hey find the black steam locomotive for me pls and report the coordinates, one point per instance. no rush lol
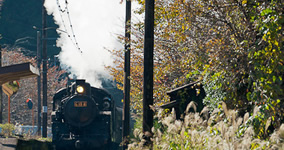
(85, 117)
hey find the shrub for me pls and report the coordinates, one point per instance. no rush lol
(7, 129)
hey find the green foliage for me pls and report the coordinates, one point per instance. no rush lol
(249, 69)
(266, 58)
(7, 129)
(214, 93)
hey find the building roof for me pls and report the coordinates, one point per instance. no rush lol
(17, 72)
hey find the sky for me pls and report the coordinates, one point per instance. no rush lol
(95, 24)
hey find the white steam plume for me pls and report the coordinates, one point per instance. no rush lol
(95, 24)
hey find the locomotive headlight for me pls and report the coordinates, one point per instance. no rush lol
(80, 89)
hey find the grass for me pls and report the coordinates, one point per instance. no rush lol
(223, 130)
(11, 130)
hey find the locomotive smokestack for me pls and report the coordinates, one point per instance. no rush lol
(80, 81)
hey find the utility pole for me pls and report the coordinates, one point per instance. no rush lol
(126, 92)
(38, 86)
(1, 98)
(44, 72)
(148, 71)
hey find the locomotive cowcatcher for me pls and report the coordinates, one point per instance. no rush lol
(85, 117)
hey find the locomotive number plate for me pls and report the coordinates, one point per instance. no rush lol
(80, 104)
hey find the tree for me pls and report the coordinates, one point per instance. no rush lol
(234, 47)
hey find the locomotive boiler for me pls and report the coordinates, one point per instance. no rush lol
(85, 117)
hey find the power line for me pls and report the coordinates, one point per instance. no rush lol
(60, 9)
(72, 26)
(63, 22)
(73, 37)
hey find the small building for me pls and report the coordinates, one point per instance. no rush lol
(182, 96)
(12, 73)
(17, 72)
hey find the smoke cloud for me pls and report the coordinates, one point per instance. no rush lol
(95, 24)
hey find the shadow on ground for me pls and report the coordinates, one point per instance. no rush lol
(22, 144)
(33, 145)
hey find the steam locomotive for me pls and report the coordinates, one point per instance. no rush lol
(85, 117)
